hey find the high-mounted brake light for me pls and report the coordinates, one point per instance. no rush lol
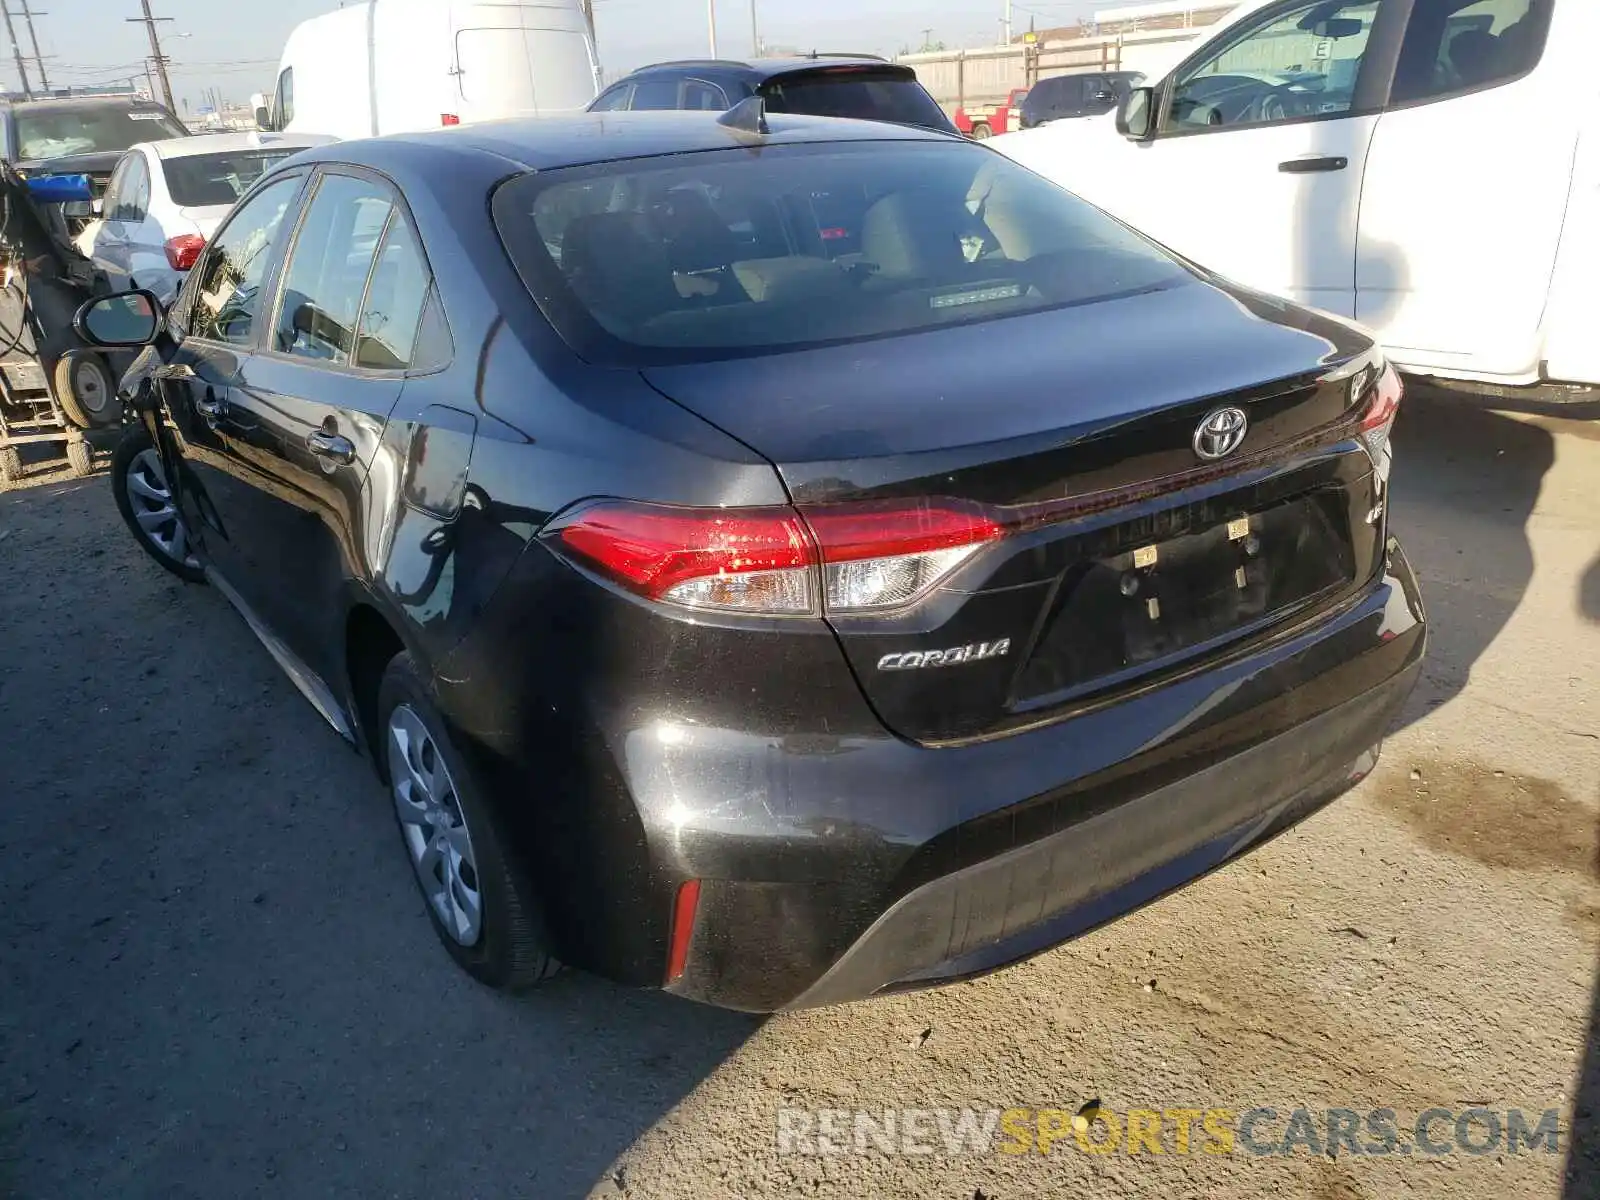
(183, 251)
(1383, 404)
(842, 558)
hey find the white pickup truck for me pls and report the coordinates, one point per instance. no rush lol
(1430, 168)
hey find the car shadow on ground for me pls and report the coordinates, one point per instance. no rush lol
(1466, 480)
(219, 978)
(1583, 1154)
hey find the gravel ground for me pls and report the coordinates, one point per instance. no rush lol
(216, 978)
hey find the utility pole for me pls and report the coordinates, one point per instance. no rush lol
(755, 33)
(33, 36)
(1008, 22)
(159, 59)
(16, 52)
(711, 20)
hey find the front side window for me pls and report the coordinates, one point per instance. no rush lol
(326, 278)
(1456, 46)
(725, 254)
(614, 100)
(227, 295)
(1299, 65)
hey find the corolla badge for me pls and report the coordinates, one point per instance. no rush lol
(1221, 433)
(915, 660)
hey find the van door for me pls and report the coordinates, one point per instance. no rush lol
(1467, 184)
(1262, 137)
(522, 60)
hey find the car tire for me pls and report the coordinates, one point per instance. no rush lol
(479, 897)
(86, 389)
(145, 501)
(981, 131)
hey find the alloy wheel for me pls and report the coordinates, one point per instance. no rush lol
(155, 510)
(434, 826)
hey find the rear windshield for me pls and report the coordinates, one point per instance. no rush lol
(88, 129)
(866, 95)
(212, 180)
(752, 251)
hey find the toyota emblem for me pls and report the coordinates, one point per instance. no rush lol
(1221, 433)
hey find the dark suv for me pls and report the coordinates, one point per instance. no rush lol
(84, 135)
(1083, 95)
(862, 86)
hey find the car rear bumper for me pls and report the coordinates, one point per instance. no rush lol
(836, 869)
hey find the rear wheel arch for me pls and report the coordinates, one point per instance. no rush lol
(371, 644)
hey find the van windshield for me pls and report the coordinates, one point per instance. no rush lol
(737, 252)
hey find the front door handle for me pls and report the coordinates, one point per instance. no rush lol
(331, 447)
(1312, 164)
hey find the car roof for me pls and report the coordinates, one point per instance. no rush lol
(68, 103)
(221, 143)
(574, 139)
(766, 68)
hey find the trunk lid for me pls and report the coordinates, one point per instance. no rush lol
(1128, 554)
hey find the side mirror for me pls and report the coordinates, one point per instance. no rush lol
(97, 207)
(263, 111)
(122, 321)
(1136, 119)
(80, 210)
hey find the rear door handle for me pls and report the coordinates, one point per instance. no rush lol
(331, 446)
(1312, 164)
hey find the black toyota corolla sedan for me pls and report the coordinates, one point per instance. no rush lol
(775, 617)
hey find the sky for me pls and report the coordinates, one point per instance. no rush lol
(233, 45)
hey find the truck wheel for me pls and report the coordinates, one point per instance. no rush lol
(80, 457)
(86, 389)
(981, 131)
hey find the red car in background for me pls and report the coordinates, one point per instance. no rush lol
(985, 120)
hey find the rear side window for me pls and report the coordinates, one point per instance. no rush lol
(216, 180)
(865, 95)
(727, 253)
(326, 279)
(1456, 46)
(655, 94)
(395, 299)
(133, 192)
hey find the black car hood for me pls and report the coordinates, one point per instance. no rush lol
(1080, 369)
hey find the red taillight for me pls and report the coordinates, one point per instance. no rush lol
(683, 910)
(183, 251)
(845, 557)
(449, 119)
(1383, 403)
(833, 233)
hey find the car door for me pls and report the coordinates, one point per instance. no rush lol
(1261, 142)
(317, 399)
(143, 244)
(1467, 185)
(216, 322)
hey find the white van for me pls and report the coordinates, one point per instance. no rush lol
(1430, 168)
(399, 66)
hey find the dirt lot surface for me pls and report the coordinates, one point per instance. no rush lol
(216, 979)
